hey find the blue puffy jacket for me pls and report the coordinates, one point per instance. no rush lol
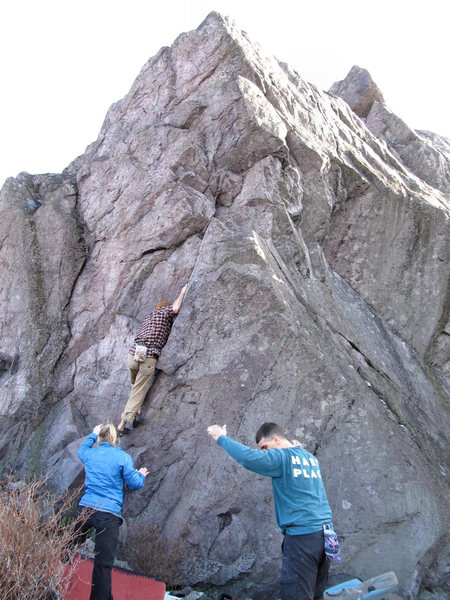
(107, 467)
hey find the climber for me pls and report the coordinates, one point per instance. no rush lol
(301, 507)
(107, 468)
(148, 343)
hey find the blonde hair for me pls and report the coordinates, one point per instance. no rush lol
(161, 304)
(108, 433)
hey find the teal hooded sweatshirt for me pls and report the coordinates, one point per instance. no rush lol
(301, 504)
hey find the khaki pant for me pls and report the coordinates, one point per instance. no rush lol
(141, 375)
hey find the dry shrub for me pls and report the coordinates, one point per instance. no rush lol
(36, 542)
(154, 555)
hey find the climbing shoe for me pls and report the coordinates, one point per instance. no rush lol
(137, 421)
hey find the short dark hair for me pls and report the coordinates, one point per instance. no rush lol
(267, 431)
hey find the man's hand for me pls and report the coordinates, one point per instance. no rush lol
(144, 471)
(215, 431)
(179, 301)
(96, 430)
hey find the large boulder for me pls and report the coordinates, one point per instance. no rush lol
(317, 273)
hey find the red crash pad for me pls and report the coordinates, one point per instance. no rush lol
(126, 585)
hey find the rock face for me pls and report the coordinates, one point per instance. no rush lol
(425, 154)
(358, 90)
(316, 262)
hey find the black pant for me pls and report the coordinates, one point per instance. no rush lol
(304, 567)
(106, 537)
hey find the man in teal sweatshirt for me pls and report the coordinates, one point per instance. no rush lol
(301, 505)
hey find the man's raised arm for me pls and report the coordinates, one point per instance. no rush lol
(179, 301)
(263, 462)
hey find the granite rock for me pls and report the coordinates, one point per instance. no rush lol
(316, 263)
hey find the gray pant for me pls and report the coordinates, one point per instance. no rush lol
(304, 567)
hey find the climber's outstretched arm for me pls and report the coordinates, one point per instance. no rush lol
(179, 301)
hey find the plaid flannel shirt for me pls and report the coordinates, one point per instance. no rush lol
(154, 330)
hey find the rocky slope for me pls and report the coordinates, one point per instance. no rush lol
(314, 244)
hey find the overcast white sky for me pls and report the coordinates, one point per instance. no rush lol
(64, 62)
